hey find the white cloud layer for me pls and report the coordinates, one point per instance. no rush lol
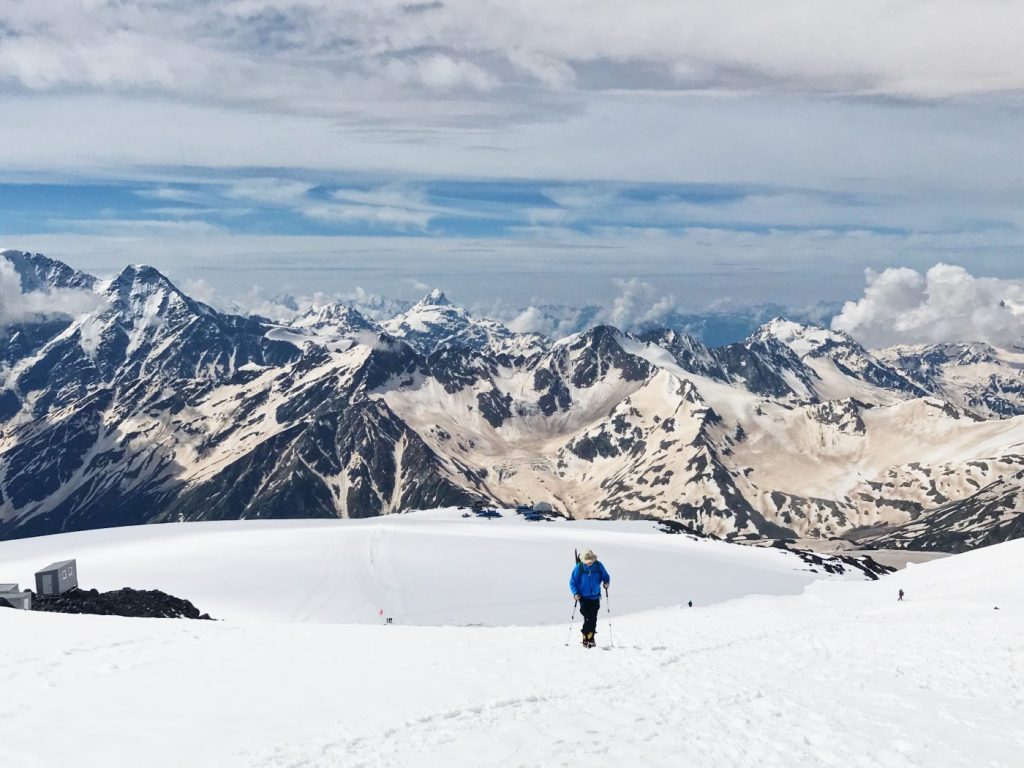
(17, 306)
(700, 267)
(944, 304)
(324, 55)
(636, 305)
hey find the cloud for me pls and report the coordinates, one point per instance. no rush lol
(283, 307)
(384, 206)
(137, 227)
(556, 321)
(270, 191)
(373, 215)
(201, 290)
(440, 72)
(912, 114)
(551, 72)
(944, 304)
(388, 206)
(696, 266)
(18, 306)
(171, 194)
(531, 320)
(312, 54)
(638, 305)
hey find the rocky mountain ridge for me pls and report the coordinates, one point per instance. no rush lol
(156, 407)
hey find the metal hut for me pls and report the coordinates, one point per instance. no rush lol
(56, 579)
(11, 596)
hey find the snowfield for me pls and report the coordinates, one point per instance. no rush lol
(425, 568)
(774, 666)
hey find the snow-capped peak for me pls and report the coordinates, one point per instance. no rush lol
(435, 322)
(336, 317)
(40, 273)
(802, 338)
(435, 298)
(139, 293)
(140, 277)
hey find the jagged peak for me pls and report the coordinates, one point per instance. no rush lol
(595, 335)
(141, 274)
(39, 272)
(947, 352)
(671, 337)
(335, 313)
(435, 298)
(784, 329)
(135, 286)
(603, 331)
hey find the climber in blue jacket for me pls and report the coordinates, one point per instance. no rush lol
(585, 584)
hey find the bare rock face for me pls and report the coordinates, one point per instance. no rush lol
(844, 415)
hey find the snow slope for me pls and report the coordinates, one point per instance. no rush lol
(841, 675)
(432, 567)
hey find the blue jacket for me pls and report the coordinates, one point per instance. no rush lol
(586, 580)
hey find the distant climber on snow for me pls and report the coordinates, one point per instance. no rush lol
(588, 576)
(900, 598)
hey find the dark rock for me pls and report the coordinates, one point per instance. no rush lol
(138, 603)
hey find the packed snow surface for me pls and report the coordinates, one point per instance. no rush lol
(432, 567)
(809, 672)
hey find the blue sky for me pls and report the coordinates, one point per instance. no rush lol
(247, 201)
(519, 152)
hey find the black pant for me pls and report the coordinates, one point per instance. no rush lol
(589, 607)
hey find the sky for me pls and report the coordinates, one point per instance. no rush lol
(525, 152)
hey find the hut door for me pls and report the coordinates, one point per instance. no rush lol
(47, 583)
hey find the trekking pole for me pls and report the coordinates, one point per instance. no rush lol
(572, 620)
(608, 603)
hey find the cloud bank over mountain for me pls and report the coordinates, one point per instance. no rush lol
(946, 303)
(18, 305)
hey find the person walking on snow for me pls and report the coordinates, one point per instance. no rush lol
(585, 584)
(900, 598)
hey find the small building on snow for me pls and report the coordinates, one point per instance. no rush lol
(11, 596)
(57, 578)
(543, 507)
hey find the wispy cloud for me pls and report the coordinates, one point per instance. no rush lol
(383, 206)
(137, 227)
(270, 191)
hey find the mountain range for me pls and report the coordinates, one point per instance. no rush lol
(155, 407)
